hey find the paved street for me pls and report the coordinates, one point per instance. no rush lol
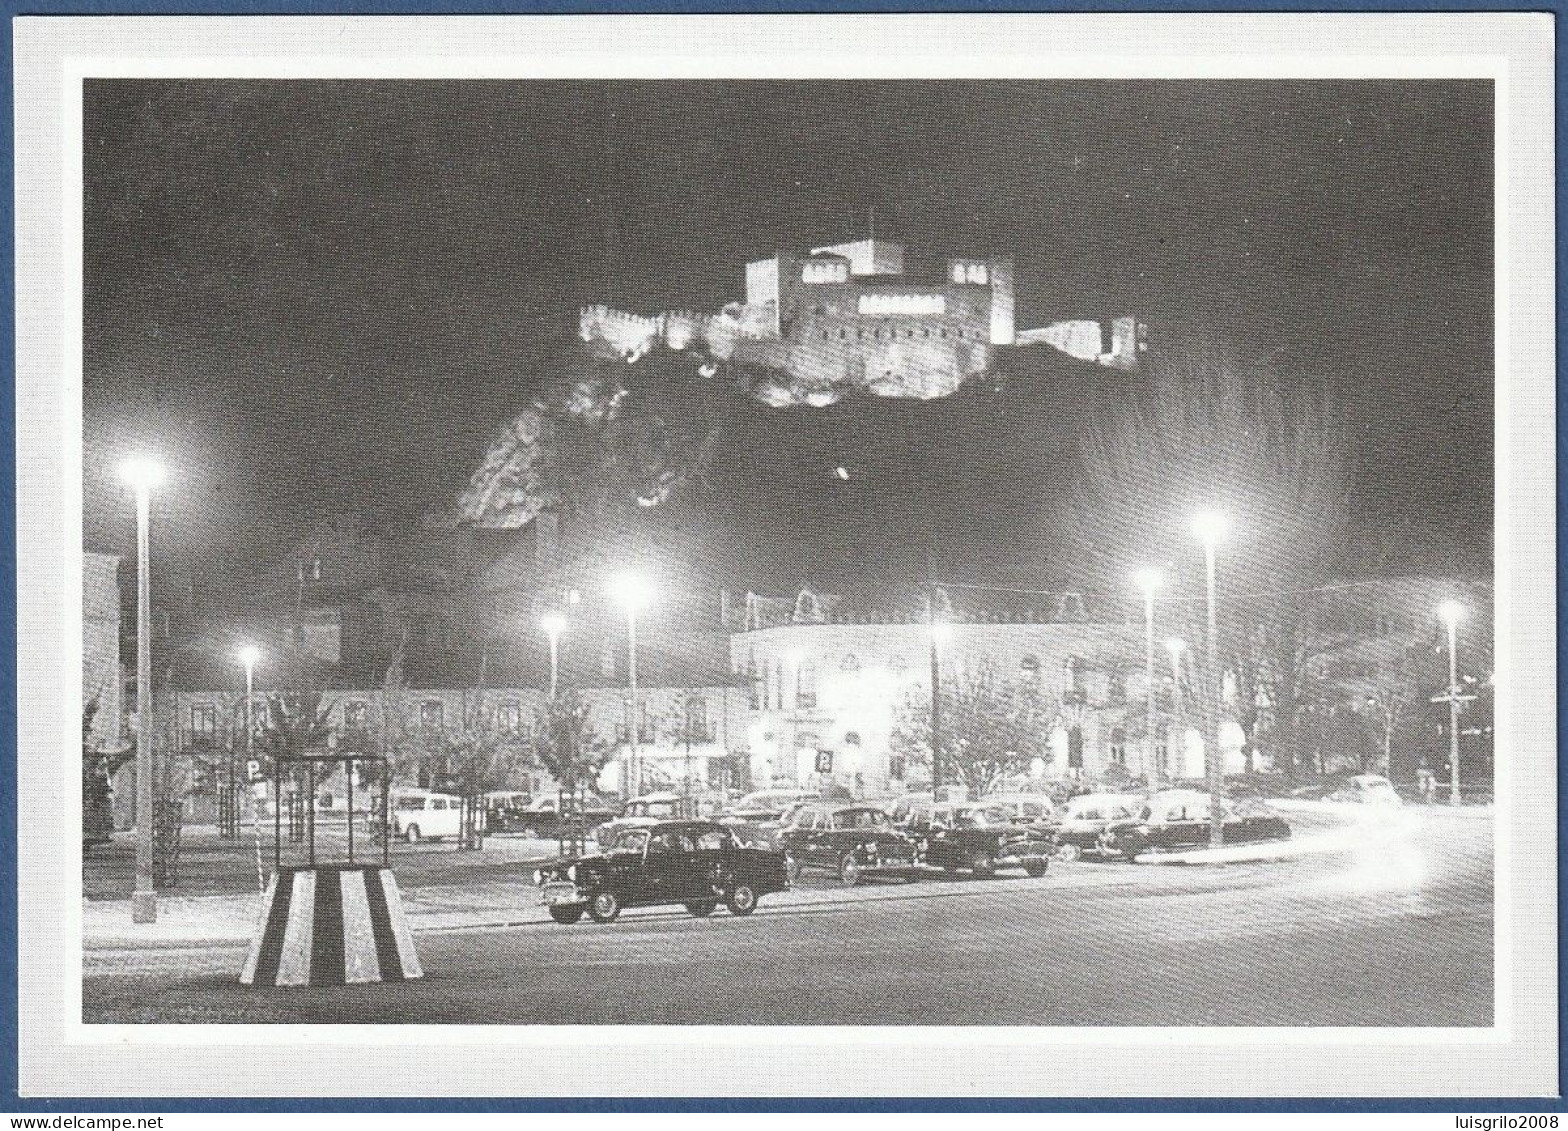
(1397, 932)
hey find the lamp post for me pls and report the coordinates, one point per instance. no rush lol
(941, 633)
(1211, 527)
(1451, 613)
(554, 624)
(632, 593)
(1149, 580)
(142, 475)
(249, 654)
(1175, 647)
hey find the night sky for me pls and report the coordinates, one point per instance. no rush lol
(312, 297)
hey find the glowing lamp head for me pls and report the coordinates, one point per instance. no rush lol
(249, 654)
(142, 473)
(941, 632)
(553, 624)
(1211, 527)
(630, 591)
(1175, 646)
(1148, 580)
(1451, 613)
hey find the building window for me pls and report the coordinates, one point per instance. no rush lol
(754, 683)
(432, 716)
(1076, 690)
(1030, 667)
(1119, 746)
(806, 685)
(697, 720)
(1116, 690)
(895, 767)
(204, 720)
(356, 713)
(778, 684)
(509, 716)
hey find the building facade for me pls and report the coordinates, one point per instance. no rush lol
(825, 678)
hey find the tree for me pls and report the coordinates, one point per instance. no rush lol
(477, 759)
(562, 743)
(1216, 431)
(992, 728)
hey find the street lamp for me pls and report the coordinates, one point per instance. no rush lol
(941, 633)
(1177, 747)
(1451, 613)
(1149, 580)
(1211, 526)
(249, 654)
(632, 593)
(142, 475)
(554, 624)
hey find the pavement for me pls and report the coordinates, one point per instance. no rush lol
(1390, 926)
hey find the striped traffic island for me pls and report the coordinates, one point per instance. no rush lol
(331, 925)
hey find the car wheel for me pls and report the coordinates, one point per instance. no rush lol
(983, 865)
(604, 906)
(1068, 852)
(849, 870)
(742, 900)
(567, 915)
(412, 834)
(791, 868)
(1036, 865)
(702, 908)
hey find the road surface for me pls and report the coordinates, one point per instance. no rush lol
(1398, 932)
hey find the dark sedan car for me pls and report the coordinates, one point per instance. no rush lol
(852, 841)
(1177, 820)
(696, 863)
(977, 836)
(550, 815)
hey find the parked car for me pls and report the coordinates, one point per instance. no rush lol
(1027, 810)
(696, 863)
(977, 836)
(548, 815)
(1085, 819)
(848, 839)
(767, 804)
(762, 814)
(419, 814)
(502, 804)
(648, 809)
(1366, 789)
(1175, 820)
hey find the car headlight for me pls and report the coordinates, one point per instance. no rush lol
(538, 877)
(571, 873)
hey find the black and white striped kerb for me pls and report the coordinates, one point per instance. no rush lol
(331, 925)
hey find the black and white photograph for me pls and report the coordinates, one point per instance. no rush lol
(792, 553)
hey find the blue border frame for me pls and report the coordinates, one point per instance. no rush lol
(8, 732)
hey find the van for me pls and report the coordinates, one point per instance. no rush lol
(418, 814)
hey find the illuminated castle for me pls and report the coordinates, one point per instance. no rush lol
(845, 317)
